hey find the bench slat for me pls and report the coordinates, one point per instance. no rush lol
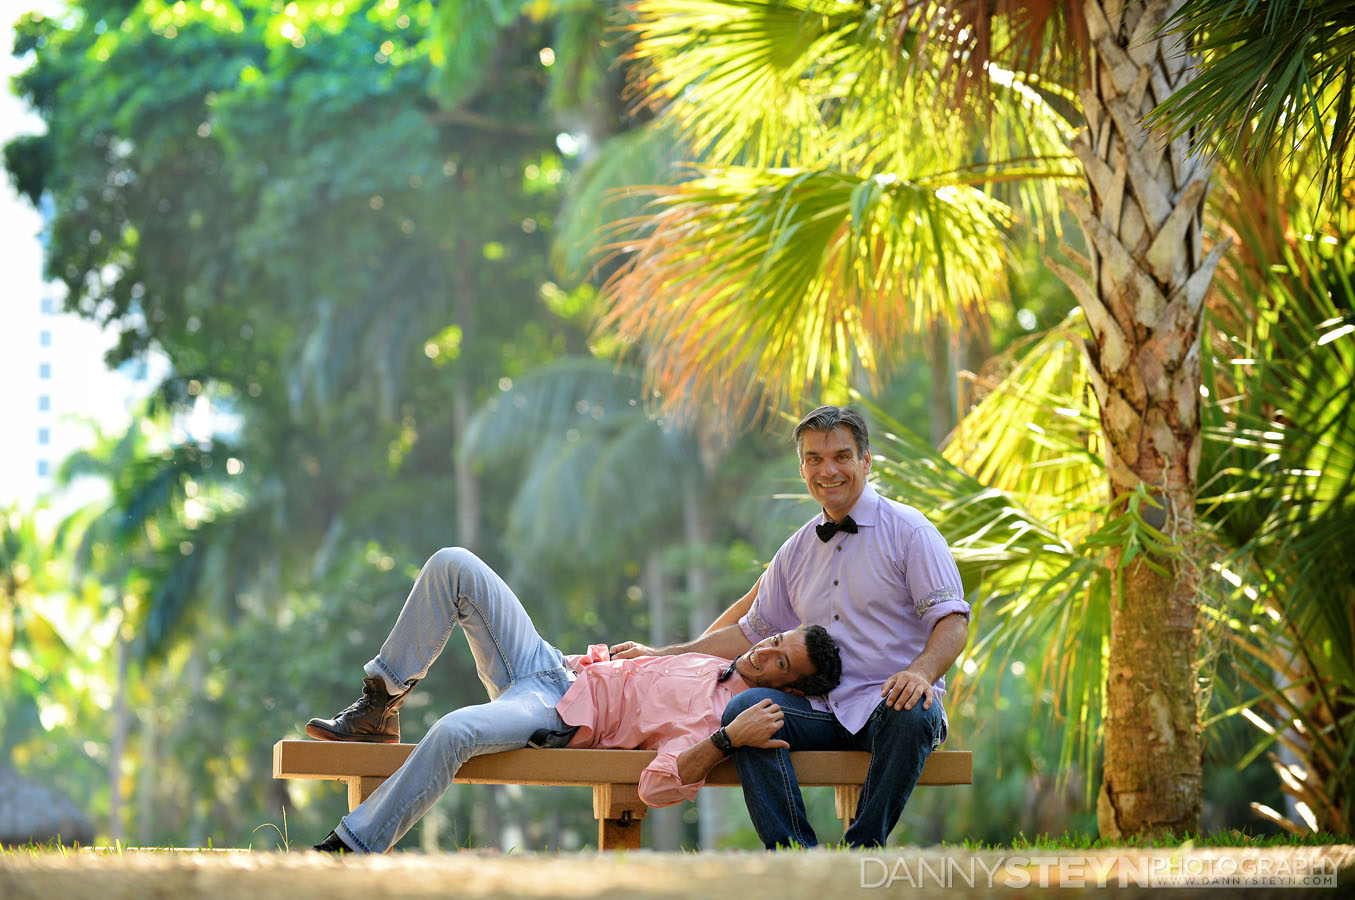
(333, 759)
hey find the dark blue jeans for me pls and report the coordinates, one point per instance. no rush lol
(899, 742)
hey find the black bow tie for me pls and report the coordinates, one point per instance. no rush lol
(830, 528)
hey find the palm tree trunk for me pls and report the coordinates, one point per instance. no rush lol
(941, 396)
(1143, 301)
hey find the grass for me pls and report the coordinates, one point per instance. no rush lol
(1226, 838)
(117, 848)
(282, 832)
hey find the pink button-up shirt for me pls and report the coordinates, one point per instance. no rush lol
(663, 703)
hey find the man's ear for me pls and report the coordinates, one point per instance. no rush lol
(791, 690)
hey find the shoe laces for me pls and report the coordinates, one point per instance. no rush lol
(362, 704)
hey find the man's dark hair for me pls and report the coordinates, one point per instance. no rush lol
(827, 663)
(826, 419)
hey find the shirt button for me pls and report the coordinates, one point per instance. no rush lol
(839, 548)
(836, 617)
(834, 583)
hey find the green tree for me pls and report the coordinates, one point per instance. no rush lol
(342, 267)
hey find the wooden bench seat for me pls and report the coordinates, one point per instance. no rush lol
(614, 775)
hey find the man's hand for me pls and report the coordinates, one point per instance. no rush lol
(630, 650)
(902, 690)
(755, 726)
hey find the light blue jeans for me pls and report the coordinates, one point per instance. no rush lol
(524, 675)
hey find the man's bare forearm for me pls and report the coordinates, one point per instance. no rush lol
(905, 688)
(728, 642)
(944, 646)
(753, 727)
(695, 763)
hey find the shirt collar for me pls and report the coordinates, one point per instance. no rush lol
(734, 683)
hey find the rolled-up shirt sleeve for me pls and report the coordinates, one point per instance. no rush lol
(660, 783)
(933, 578)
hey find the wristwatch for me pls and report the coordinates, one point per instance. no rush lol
(722, 742)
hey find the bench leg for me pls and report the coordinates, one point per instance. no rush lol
(619, 812)
(360, 787)
(846, 798)
(619, 834)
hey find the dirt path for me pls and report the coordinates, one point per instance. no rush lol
(815, 875)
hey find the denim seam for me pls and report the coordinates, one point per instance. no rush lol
(446, 635)
(392, 821)
(349, 837)
(489, 629)
(387, 671)
(475, 750)
(442, 642)
(867, 781)
(790, 799)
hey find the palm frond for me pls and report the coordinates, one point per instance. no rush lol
(737, 73)
(1035, 433)
(972, 42)
(597, 472)
(572, 392)
(1275, 76)
(755, 286)
(604, 191)
(816, 84)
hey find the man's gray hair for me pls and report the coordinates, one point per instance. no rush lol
(828, 418)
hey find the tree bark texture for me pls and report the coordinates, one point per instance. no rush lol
(1143, 300)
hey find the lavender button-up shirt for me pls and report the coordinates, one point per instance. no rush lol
(879, 593)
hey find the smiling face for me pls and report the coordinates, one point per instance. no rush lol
(833, 470)
(777, 661)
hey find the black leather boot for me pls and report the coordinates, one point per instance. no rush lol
(372, 718)
(332, 844)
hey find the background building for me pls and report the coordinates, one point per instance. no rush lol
(51, 363)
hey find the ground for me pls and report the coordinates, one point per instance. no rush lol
(814, 875)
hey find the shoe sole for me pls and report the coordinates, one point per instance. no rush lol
(321, 734)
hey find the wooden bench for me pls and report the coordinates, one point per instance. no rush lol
(614, 775)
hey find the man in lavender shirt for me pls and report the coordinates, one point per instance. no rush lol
(881, 579)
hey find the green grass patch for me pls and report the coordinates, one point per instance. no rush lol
(1224, 838)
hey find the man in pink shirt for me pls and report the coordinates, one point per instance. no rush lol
(672, 704)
